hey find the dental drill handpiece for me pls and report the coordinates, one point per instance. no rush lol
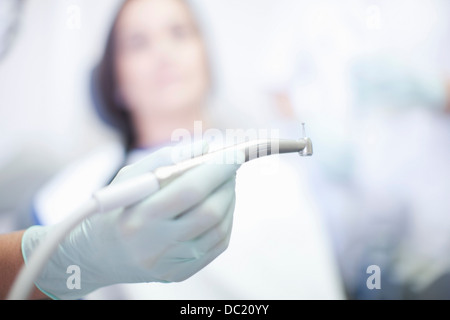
(132, 191)
(124, 194)
(251, 150)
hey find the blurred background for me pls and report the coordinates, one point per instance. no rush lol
(370, 78)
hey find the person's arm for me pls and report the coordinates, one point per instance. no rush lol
(11, 261)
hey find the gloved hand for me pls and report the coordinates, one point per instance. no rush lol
(167, 237)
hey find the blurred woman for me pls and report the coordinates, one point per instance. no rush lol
(154, 78)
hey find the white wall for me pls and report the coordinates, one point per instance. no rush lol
(43, 80)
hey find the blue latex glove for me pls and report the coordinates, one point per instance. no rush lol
(167, 237)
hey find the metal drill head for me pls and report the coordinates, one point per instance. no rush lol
(308, 149)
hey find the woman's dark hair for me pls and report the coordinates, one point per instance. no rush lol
(108, 104)
(104, 91)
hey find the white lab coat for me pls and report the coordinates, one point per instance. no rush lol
(279, 247)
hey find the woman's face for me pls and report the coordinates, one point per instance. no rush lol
(160, 60)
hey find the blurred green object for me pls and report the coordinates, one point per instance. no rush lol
(387, 82)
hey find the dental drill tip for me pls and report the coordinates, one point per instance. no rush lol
(303, 129)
